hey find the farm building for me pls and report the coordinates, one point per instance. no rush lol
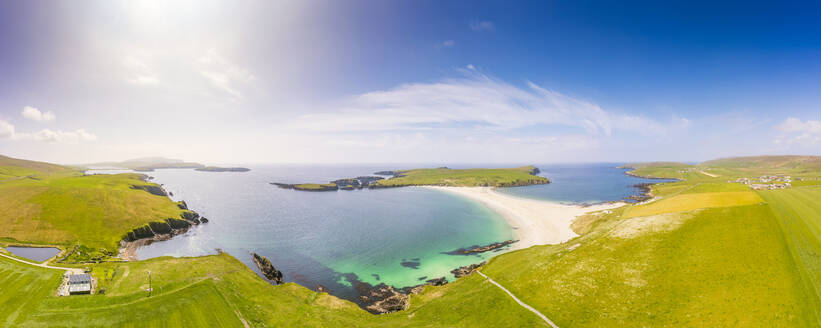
(79, 284)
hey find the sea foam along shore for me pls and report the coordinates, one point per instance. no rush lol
(534, 222)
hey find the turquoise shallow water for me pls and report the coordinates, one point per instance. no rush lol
(393, 236)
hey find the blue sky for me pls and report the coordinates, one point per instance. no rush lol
(410, 81)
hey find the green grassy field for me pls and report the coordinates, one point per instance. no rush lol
(692, 269)
(219, 291)
(465, 177)
(55, 205)
(799, 214)
(691, 201)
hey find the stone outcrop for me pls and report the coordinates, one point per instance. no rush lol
(382, 298)
(152, 189)
(169, 227)
(268, 269)
(386, 173)
(481, 249)
(466, 270)
(182, 205)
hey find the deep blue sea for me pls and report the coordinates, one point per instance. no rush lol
(395, 236)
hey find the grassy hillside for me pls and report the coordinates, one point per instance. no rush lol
(465, 177)
(793, 162)
(61, 206)
(16, 168)
(219, 291)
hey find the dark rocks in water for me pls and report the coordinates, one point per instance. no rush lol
(322, 289)
(222, 169)
(182, 205)
(191, 216)
(347, 184)
(480, 249)
(437, 281)
(466, 270)
(644, 189)
(154, 190)
(375, 276)
(412, 263)
(268, 269)
(418, 288)
(203, 220)
(366, 180)
(387, 173)
(339, 184)
(422, 278)
(170, 193)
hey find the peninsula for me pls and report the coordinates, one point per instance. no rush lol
(149, 164)
(443, 176)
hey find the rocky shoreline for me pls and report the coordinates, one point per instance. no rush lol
(480, 249)
(382, 298)
(158, 230)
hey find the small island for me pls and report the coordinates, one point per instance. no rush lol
(443, 176)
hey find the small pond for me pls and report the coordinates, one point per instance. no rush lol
(38, 254)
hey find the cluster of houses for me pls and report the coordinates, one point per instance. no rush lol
(767, 182)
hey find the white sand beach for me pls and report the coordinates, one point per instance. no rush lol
(535, 222)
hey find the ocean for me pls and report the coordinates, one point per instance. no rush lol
(397, 236)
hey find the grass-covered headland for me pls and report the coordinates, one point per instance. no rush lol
(706, 251)
(443, 176)
(42, 203)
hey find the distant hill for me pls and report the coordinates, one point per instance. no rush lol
(149, 164)
(655, 165)
(13, 167)
(768, 162)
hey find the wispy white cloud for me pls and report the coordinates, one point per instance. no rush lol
(8, 131)
(473, 102)
(48, 135)
(798, 133)
(447, 43)
(223, 74)
(792, 125)
(36, 115)
(481, 26)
